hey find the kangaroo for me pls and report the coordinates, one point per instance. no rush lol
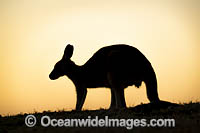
(115, 67)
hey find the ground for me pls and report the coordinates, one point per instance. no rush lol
(187, 119)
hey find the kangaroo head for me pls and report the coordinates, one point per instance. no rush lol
(65, 65)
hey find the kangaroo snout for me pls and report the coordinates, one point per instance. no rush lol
(52, 76)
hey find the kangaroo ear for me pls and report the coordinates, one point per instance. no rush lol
(68, 51)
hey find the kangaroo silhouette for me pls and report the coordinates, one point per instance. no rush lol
(115, 67)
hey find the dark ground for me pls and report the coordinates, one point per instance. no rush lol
(187, 119)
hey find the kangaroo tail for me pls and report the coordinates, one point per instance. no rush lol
(151, 85)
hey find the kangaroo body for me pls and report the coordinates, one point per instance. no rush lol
(115, 67)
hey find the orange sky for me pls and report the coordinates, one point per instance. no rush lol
(34, 34)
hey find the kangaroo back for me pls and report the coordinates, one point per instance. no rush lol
(127, 63)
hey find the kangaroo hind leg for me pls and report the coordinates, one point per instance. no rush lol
(113, 99)
(120, 99)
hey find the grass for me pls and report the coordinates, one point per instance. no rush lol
(186, 115)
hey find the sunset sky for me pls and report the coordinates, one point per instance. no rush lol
(34, 33)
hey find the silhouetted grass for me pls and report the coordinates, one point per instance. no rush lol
(187, 116)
